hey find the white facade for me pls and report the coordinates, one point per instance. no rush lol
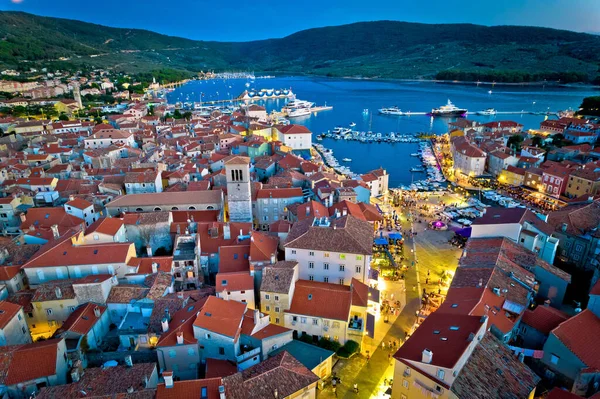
(88, 214)
(330, 267)
(297, 141)
(244, 296)
(16, 331)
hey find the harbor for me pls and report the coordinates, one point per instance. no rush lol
(341, 133)
(329, 159)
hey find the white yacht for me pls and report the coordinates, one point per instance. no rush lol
(488, 112)
(296, 112)
(392, 111)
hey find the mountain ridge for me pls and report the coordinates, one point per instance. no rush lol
(385, 49)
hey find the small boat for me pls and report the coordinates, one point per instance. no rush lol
(414, 154)
(352, 124)
(365, 111)
(346, 159)
(417, 169)
(488, 112)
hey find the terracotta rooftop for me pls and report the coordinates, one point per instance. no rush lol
(108, 226)
(105, 382)
(8, 311)
(278, 279)
(544, 318)
(326, 300)
(445, 335)
(23, 363)
(579, 334)
(83, 319)
(221, 317)
(191, 389)
(281, 372)
(492, 371)
(234, 281)
(174, 198)
(346, 234)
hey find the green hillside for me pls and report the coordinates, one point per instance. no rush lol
(386, 49)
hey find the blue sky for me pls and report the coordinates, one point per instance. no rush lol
(242, 20)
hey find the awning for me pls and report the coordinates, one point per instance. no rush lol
(466, 232)
(381, 241)
(395, 236)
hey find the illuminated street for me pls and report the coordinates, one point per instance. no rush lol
(434, 255)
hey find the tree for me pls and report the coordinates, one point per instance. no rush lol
(515, 141)
(63, 117)
(187, 115)
(536, 141)
(177, 114)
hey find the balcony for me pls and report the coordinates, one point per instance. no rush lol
(247, 353)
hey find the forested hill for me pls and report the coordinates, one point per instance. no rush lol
(385, 49)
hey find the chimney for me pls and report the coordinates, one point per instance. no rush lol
(564, 227)
(165, 324)
(221, 392)
(168, 377)
(307, 210)
(547, 302)
(97, 312)
(256, 316)
(480, 282)
(75, 375)
(55, 233)
(178, 229)
(58, 292)
(128, 361)
(427, 356)
(227, 231)
(23, 217)
(130, 390)
(273, 258)
(71, 197)
(180, 338)
(155, 264)
(149, 250)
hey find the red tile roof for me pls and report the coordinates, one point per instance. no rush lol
(182, 322)
(279, 193)
(191, 389)
(327, 300)
(235, 281)
(79, 203)
(221, 317)
(67, 254)
(83, 319)
(544, 318)
(8, 311)
(294, 129)
(262, 246)
(580, 335)
(108, 226)
(219, 368)
(456, 330)
(233, 258)
(22, 363)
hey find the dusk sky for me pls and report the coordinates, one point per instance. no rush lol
(261, 19)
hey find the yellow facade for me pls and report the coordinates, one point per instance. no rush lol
(274, 306)
(510, 178)
(578, 186)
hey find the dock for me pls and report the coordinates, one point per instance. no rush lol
(522, 112)
(322, 108)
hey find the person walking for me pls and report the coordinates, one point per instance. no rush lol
(382, 344)
(335, 391)
(355, 388)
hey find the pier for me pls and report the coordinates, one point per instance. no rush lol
(522, 112)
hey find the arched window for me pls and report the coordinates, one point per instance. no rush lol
(192, 208)
(210, 207)
(174, 208)
(139, 210)
(157, 209)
